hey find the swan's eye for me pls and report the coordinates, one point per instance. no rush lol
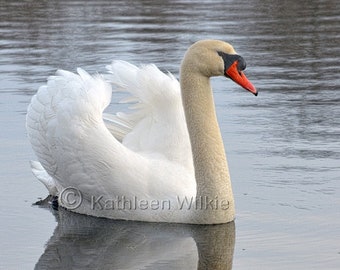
(241, 65)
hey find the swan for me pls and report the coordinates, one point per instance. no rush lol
(161, 161)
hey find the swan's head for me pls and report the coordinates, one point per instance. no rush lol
(217, 58)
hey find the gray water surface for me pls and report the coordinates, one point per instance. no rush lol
(282, 146)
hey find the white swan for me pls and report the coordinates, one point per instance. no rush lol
(164, 161)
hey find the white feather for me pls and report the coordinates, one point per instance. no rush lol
(44, 177)
(144, 153)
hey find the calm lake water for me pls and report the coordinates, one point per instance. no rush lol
(282, 146)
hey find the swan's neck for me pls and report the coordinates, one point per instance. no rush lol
(211, 169)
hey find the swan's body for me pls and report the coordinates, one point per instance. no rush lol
(164, 162)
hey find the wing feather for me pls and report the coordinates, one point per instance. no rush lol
(79, 146)
(155, 123)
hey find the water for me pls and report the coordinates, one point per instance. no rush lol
(282, 146)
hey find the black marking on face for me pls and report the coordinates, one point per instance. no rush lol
(229, 59)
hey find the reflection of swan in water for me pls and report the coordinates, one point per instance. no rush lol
(83, 242)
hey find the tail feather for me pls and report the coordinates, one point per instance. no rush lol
(44, 177)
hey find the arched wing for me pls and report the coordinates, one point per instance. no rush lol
(66, 129)
(64, 125)
(155, 124)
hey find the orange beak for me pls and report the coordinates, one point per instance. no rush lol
(238, 76)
